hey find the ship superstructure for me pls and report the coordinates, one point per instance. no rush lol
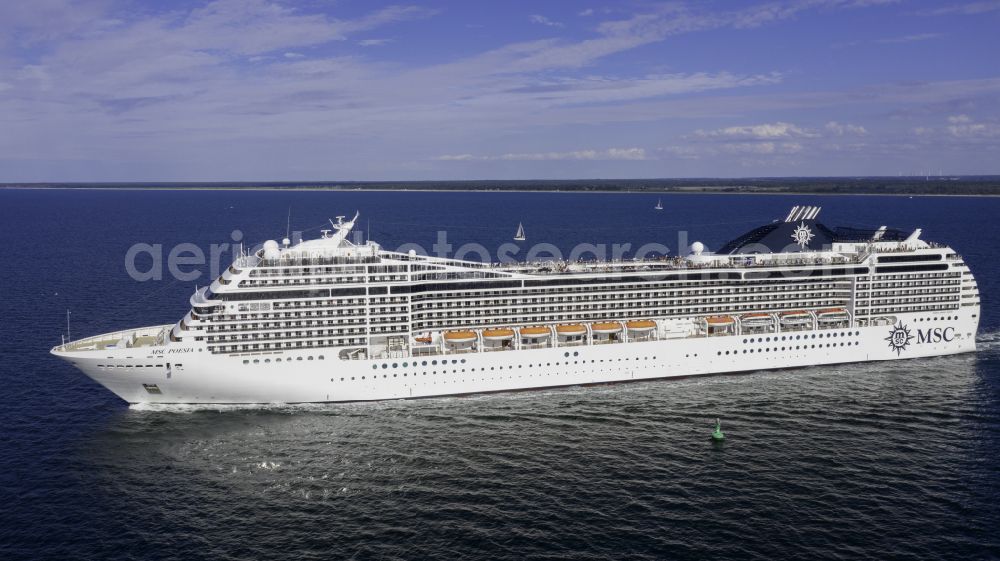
(330, 320)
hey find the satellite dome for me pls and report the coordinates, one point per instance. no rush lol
(286, 242)
(413, 253)
(697, 248)
(271, 250)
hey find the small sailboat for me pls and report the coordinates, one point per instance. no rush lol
(659, 204)
(519, 236)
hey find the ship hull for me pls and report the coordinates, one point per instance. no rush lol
(182, 374)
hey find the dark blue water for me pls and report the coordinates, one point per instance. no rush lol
(877, 461)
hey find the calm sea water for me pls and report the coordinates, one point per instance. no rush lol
(878, 461)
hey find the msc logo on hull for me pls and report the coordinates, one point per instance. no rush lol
(900, 336)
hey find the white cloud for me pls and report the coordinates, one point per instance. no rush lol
(684, 152)
(585, 13)
(609, 154)
(292, 55)
(762, 147)
(458, 158)
(967, 9)
(542, 20)
(841, 129)
(374, 42)
(761, 132)
(962, 126)
(908, 38)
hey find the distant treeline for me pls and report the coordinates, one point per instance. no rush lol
(965, 185)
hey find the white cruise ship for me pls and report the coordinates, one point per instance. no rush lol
(327, 320)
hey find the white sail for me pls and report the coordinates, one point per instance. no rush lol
(659, 204)
(519, 236)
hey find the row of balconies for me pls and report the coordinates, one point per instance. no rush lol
(526, 317)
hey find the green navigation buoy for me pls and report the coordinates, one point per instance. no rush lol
(717, 434)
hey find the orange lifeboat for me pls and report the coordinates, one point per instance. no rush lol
(571, 329)
(461, 336)
(535, 331)
(720, 321)
(424, 339)
(831, 311)
(606, 327)
(641, 325)
(502, 334)
(796, 317)
(755, 320)
(832, 314)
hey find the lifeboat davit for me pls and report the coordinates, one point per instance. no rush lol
(797, 317)
(641, 325)
(536, 331)
(462, 336)
(571, 329)
(720, 321)
(606, 327)
(502, 334)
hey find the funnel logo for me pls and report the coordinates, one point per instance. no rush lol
(899, 338)
(802, 235)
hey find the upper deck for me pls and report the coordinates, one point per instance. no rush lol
(797, 242)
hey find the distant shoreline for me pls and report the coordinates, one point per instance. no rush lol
(951, 186)
(523, 191)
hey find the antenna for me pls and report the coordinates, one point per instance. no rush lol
(68, 336)
(288, 224)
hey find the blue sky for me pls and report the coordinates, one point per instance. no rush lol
(243, 90)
